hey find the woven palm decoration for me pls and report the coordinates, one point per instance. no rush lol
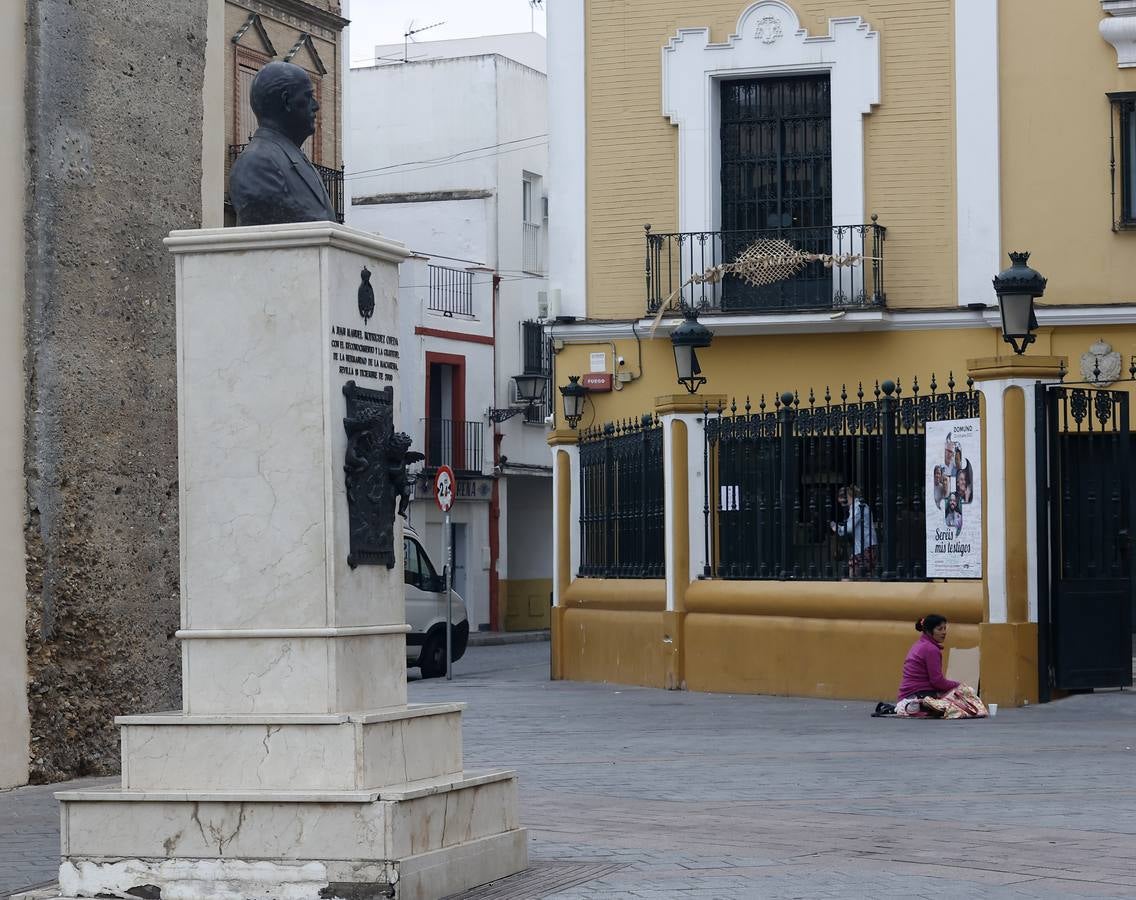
(768, 261)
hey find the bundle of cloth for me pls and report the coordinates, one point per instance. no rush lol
(958, 703)
(924, 691)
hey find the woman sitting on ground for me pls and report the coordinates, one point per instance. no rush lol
(924, 689)
(923, 667)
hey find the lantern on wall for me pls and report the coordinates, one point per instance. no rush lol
(690, 337)
(1017, 288)
(573, 395)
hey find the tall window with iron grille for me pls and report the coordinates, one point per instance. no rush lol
(1123, 159)
(531, 216)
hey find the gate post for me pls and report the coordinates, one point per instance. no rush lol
(565, 533)
(788, 487)
(1008, 641)
(887, 411)
(683, 420)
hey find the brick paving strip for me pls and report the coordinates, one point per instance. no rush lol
(637, 793)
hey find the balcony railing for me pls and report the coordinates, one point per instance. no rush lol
(673, 258)
(451, 291)
(537, 352)
(533, 258)
(453, 443)
(332, 180)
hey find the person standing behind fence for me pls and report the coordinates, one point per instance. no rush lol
(859, 526)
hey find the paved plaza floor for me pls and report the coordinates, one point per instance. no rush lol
(636, 793)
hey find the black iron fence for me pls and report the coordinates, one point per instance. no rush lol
(333, 183)
(621, 500)
(673, 258)
(453, 443)
(777, 478)
(451, 291)
(332, 180)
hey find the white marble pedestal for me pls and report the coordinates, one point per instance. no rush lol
(296, 770)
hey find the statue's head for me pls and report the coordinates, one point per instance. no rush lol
(397, 444)
(282, 97)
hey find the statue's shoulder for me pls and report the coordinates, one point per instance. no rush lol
(261, 151)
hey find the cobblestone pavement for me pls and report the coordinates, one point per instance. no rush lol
(663, 795)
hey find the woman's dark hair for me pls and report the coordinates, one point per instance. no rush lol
(929, 623)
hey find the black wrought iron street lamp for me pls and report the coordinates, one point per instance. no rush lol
(573, 395)
(686, 340)
(530, 391)
(1017, 287)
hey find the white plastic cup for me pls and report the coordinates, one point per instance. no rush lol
(992, 708)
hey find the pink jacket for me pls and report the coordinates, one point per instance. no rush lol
(923, 669)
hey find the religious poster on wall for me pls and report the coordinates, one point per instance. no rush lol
(954, 502)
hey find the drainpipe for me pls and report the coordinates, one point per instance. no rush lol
(495, 496)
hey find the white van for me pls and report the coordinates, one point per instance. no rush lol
(426, 610)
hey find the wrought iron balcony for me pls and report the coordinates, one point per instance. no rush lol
(827, 267)
(537, 352)
(451, 291)
(532, 257)
(332, 180)
(453, 443)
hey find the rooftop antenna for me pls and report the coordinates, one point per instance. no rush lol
(410, 32)
(534, 5)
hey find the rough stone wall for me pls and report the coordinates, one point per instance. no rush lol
(114, 147)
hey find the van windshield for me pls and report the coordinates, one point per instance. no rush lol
(417, 569)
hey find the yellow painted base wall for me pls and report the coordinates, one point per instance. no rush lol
(848, 639)
(837, 658)
(1009, 663)
(613, 645)
(525, 602)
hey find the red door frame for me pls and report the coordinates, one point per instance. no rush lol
(457, 416)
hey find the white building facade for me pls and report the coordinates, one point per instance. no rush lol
(447, 152)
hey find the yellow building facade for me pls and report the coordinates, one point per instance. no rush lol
(910, 146)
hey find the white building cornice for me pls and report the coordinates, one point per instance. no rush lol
(852, 321)
(1119, 29)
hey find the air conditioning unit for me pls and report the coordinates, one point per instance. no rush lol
(542, 305)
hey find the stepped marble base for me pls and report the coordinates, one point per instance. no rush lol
(344, 752)
(416, 841)
(424, 876)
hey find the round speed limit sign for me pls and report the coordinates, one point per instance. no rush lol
(444, 486)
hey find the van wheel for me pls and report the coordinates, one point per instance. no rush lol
(432, 662)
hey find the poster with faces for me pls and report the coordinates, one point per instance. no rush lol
(954, 503)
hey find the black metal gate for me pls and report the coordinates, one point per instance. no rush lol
(1085, 553)
(776, 172)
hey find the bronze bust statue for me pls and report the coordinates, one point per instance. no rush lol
(272, 181)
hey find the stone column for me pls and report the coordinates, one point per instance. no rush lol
(684, 428)
(295, 769)
(565, 531)
(1008, 634)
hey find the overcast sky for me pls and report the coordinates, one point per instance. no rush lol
(385, 21)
